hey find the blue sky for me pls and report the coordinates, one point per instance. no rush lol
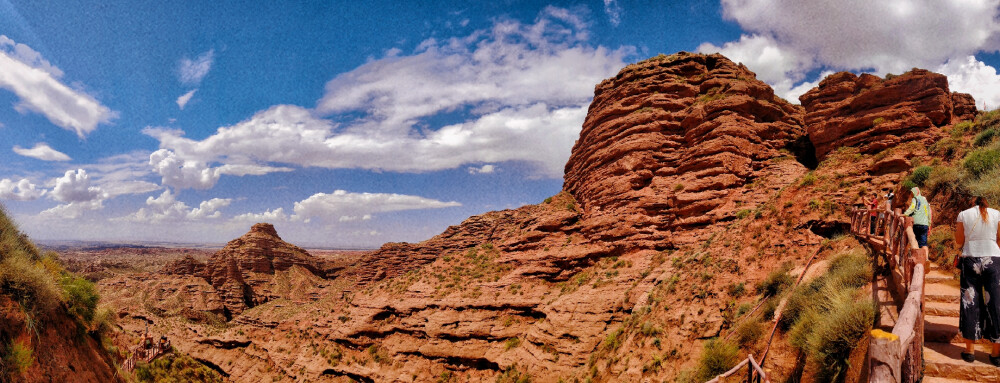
(356, 123)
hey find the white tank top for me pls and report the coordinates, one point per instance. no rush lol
(980, 237)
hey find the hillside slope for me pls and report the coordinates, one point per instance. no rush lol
(48, 332)
(690, 184)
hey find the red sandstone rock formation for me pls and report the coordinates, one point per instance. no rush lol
(873, 114)
(184, 266)
(668, 140)
(675, 155)
(241, 270)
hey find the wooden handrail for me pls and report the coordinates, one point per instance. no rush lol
(896, 356)
(752, 367)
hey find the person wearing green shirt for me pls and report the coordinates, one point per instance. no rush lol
(920, 209)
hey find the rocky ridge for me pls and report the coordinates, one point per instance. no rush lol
(689, 176)
(874, 114)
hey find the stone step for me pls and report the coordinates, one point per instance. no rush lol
(941, 329)
(944, 360)
(939, 276)
(944, 309)
(941, 292)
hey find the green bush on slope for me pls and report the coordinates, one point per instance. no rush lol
(828, 317)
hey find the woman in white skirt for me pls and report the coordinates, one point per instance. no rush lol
(976, 234)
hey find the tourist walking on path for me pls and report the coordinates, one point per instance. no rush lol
(976, 235)
(920, 209)
(872, 207)
(888, 200)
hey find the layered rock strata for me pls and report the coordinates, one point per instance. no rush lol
(873, 114)
(667, 141)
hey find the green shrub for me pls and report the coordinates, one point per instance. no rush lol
(775, 282)
(743, 213)
(27, 283)
(844, 321)
(987, 186)
(175, 368)
(717, 357)
(511, 374)
(960, 128)
(981, 161)
(941, 241)
(548, 200)
(942, 178)
(829, 316)
(878, 121)
(749, 332)
(985, 137)
(19, 357)
(81, 297)
(920, 175)
(511, 344)
(736, 290)
(808, 180)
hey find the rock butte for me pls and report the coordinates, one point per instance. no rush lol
(674, 152)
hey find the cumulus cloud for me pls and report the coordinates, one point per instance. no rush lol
(42, 151)
(74, 186)
(343, 206)
(36, 83)
(276, 215)
(191, 72)
(969, 75)
(521, 90)
(72, 210)
(773, 63)
(485, 169)
(183, 173)
(184, 98)
(22, 190)
(787, 39)
(166, 207)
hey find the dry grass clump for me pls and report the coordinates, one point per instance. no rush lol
(829, 316)
(717, 357)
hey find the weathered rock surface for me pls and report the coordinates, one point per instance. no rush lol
(685, 189)
(667, 141)
(184, 266)
(873, 114)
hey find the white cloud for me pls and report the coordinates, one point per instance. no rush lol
(166, 207)
(35, 82)
(786, 39)
(614, 11)
(343, 206)
(22, 190)
(485, 169)
(774, 64)
(194, 174)
(521, 92)
(122, 174)
(209, 209)
(72, 210)
(538, 134)
(276, 215)
(25, 54)
(969, 75)
(183, 99)
(42, 151)
(191, 72)
(74, 186)
(890, 36)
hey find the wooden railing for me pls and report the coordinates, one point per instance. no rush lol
(754, 372)
(140, 353)
(896, 356)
